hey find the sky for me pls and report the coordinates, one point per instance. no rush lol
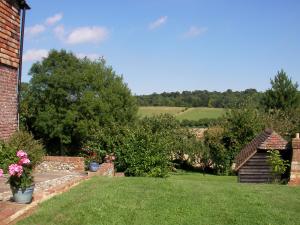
(172, 45)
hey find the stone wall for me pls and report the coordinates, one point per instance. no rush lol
(61, 163)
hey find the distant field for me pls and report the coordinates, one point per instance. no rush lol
(200, 113)
(156, 110)
(182, 113)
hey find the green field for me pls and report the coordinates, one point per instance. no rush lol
(182, 113)
(156, 110)
(185, 198)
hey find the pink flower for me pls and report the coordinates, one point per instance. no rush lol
(24, 161)
(15, 169)
(1, 173)
(21, 154)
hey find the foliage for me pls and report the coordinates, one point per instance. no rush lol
(279, 165)
(20, 140)
(182, 198)
(284, 123)
(69, 96)
(147, 147)
(7, 156)
(92, 153)
(218, 155)
(283, 94)
(205, 122)
(26, 141)
(227, 99)
(147, 150)
(239, 127)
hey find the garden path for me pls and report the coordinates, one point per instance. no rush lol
(46, 186)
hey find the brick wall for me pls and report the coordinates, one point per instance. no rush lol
(8, 101)
(61, 163)
(9, 33)
(295, 165)
(9, 63)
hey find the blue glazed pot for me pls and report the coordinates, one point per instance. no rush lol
(94, 166)
(23, 196)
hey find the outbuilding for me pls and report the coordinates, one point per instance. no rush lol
(252, 162)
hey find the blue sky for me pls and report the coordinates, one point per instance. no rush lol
(173, 45)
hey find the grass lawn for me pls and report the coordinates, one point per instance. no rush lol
(182, 113)
(180, 199)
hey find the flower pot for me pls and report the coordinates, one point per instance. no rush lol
(23, 196)
(94, 166)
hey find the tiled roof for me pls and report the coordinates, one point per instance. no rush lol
(267, 140)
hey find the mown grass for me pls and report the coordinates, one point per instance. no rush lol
(180, 199)
(182, 113)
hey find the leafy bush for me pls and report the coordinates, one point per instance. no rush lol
(7, 156)
(23, 140)
(279, 165)
(239, 127)
(218, 154)
(20, 141)
(205, 122)
(148, 147)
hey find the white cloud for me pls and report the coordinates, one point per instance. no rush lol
(87, 35)
(59, 32)
(195, 31)
(34, 30)
(91, 56)
(35, 54)
(54, 19)
(157, 23)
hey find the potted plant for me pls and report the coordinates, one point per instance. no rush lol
(92, 157)
(21, 179)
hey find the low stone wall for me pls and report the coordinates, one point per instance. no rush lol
(106, 169)
(61, 163)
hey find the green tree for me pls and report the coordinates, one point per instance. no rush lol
(69, 97)
(238, 128)
(283, 94)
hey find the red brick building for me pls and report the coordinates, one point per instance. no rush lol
(10, 39)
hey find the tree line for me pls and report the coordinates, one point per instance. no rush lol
(200, 98)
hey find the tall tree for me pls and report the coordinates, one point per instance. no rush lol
(69, 97)
(283, 94)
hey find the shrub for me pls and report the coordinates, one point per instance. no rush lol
(279, 165)
(24, 141)
(148, 147)
(205, 122)
(239, 127)
(7, 156)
